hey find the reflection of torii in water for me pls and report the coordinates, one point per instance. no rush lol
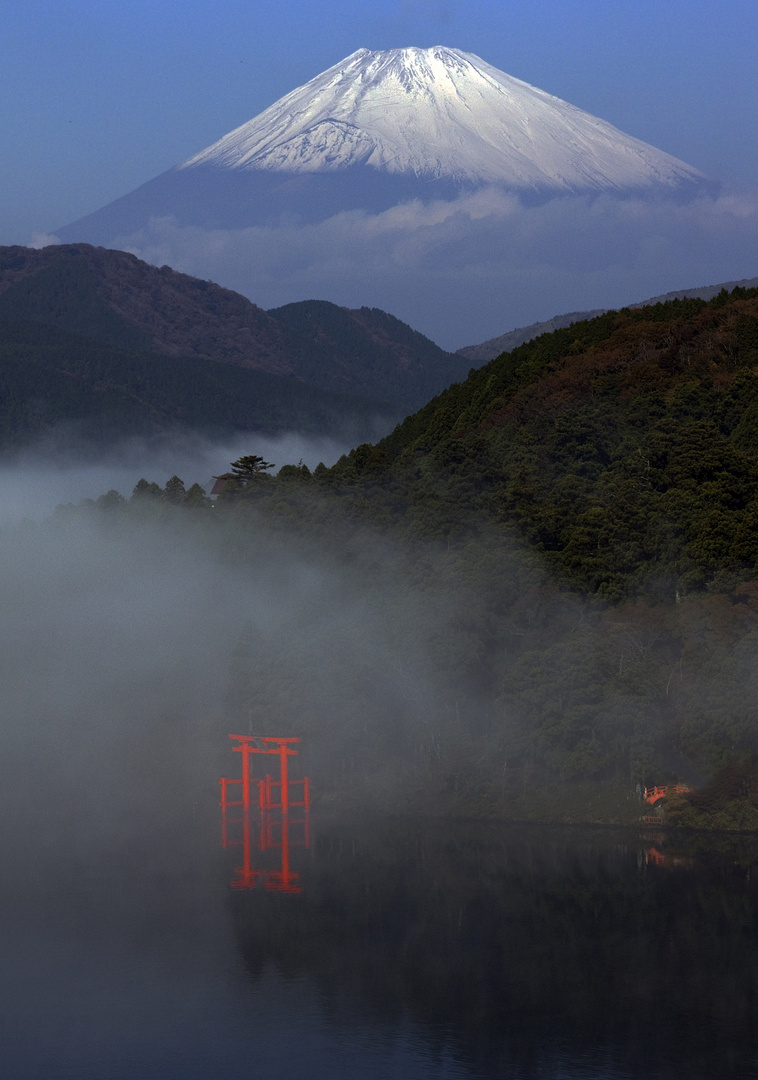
(248, 876)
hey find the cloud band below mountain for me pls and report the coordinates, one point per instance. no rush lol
(468, 269)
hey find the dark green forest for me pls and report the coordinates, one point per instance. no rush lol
(539, 594)
(105, 346)
(61, 384)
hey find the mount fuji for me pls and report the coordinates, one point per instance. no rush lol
(382, 128)
(428, 183)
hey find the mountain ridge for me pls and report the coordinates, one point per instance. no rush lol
(493, 347)
(116, 297)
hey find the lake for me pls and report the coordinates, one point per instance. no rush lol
(370, 948)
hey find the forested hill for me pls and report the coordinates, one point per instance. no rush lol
(593, 496)
(488, 350)
(540, 592)
(624, 449)
(87, 394)
(115, 298)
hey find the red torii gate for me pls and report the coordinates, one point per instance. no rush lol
(281, 747)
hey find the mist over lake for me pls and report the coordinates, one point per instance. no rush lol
(416, 943)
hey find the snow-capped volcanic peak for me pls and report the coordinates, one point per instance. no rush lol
(446, 114)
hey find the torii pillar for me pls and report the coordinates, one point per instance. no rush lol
(245, 748)
(283, 750)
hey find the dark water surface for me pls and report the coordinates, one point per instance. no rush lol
(412, 949)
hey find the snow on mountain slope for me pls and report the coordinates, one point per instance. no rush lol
(444, 114)
(384, 128)
(430, 184)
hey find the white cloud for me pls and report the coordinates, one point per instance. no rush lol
(467, 270)
(43, 240)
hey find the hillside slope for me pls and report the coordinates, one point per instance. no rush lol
(621, 448)
(488, 350)
(540, 592)
(112, 296)
(87, 392)
(581, 519)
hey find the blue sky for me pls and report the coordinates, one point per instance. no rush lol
(98, 96)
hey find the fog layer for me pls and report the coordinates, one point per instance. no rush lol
(121, 635)
(49, 473)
